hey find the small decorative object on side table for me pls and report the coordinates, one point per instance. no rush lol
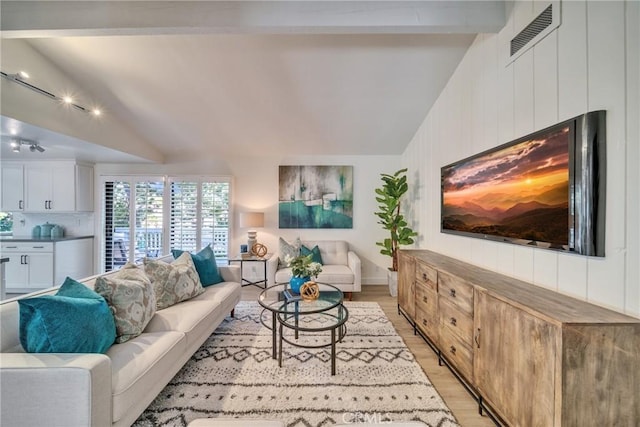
(259, 250)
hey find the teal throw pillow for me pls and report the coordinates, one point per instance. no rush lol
(205, 262)
(315, 253)
(75, 320)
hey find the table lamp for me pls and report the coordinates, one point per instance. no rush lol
(251, 220)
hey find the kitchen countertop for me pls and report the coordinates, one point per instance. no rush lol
(41, 239)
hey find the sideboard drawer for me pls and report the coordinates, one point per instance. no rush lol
(427, 310)
(426, 298)
(427, 275)
(456, 321)
(457, 352)
(457, 291)
(428, 323)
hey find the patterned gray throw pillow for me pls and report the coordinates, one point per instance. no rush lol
(288, 249)
(175, 282)
(130, 295)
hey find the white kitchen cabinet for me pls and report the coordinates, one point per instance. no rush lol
(40, 265)
(52, 186)
(30, 266)
(73, 258)
(12, 187)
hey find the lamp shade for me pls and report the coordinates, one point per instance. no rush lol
(251, 219)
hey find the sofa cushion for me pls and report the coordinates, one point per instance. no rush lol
(206, 266)
(138, 365)
(131, 298)
(175, 282)
(336, 274)
(75, 320)
(315, 253)
(219, 293)
(288, 250)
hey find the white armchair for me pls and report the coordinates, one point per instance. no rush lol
(340, 266)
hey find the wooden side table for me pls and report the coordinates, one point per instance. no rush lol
(262, 284)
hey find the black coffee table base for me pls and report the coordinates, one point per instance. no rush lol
(337, 326)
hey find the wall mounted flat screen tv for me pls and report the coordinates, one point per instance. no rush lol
(546, 189)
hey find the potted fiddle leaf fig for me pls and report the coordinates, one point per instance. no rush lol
(389, 197)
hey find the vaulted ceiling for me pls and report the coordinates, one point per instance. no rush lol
(236, 78)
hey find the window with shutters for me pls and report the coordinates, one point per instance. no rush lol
(200, 215)
(143, 217)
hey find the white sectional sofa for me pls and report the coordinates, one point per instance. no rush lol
(341, 266)
(111, 389)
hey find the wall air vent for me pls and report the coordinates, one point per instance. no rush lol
(537, 29)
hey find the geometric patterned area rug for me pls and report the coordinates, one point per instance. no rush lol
(233, 375)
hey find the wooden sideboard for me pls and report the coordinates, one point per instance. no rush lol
(536, 357)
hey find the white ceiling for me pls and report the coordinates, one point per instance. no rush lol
(202, 79)
(56, 145)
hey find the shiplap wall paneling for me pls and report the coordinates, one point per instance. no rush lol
(606, 90)
(585, 60)
(545, 88)
(506, 124)
(572, 60)
(572, 101)
(475, 100)
(545, 272)
(454, 128)
(523, 94)
(484, 126)
(436, 238)
(433, 187)
(632, 293)
(489, 96)
(545, 81)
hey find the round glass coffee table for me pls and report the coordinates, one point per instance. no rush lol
(326, 313)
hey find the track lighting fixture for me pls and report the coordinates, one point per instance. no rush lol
(20, 78)
(34, 146)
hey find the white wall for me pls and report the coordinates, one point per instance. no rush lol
(589, 63)
(255, 188)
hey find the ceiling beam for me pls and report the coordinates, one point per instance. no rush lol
(24, 19)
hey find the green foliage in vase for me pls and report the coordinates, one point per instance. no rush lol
(303, 266)
(389, 197)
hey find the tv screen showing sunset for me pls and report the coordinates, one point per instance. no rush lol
(518, 192)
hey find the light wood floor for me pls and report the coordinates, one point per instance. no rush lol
(463, 406)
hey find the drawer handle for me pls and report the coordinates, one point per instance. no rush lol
(452, 350)
(424, 299)
(424, 276)
(453, 321)
(20, 204)
(12, 247)
(38, 247)
(452, 292)
(424, 322)
(477, 338)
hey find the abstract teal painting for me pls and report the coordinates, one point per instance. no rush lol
(315, 197)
